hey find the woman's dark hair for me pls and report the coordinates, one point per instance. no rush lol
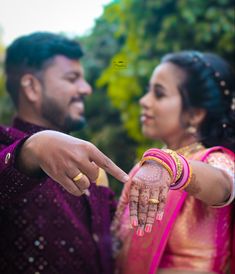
(209, 84)
(33, 53)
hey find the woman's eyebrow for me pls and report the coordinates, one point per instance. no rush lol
(156, 85)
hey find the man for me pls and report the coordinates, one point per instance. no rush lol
(45, 229)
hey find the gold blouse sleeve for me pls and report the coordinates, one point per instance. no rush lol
(225, 162)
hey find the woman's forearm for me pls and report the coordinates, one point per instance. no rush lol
(209, 184)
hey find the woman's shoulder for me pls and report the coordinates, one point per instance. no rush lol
(221, 158)
(224, 159)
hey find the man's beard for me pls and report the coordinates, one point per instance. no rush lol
(53, 113)
(74, 124)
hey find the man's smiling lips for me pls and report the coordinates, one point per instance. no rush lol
(79, 105)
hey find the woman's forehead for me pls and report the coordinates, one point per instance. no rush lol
(167, 75)
(168, 70)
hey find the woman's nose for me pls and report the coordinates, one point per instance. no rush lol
(144, 100)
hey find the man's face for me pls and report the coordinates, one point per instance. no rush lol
(63, 92)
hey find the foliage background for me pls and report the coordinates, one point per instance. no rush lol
(123, 48)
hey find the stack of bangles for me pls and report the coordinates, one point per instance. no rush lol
(176, 165)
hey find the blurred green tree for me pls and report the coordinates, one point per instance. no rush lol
(104, 124)
(6, 107)
(152, 28)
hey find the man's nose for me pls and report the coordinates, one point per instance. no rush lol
(84, 87)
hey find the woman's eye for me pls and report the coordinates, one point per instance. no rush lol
(158, 93)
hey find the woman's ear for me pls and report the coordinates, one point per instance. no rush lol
(31, 88)
(197, 116)
(193, 120)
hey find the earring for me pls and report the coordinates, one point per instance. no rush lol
(191, 129)
(25, 83)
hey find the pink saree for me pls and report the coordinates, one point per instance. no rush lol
(142, 255)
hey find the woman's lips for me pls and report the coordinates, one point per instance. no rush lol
(144, 118)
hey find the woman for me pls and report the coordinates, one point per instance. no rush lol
(190, 106)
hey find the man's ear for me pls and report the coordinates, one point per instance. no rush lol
(31, 87)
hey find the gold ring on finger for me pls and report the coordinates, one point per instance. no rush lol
(78, 177)
(154, 201)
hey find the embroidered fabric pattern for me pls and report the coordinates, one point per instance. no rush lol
(224, 162)
(43, 228)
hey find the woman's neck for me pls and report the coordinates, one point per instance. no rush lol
(183, 142)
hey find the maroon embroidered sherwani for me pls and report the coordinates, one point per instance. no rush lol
(43, 228)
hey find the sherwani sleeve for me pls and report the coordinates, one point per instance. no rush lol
(14, 183)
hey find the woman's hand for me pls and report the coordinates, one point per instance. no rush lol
(147, 197)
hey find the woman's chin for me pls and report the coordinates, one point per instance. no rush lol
(150, 134)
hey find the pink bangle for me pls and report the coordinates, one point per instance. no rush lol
(185, 177)
(177, 166)
(162, 163)
(165, 157)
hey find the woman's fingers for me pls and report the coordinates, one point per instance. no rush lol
(143, 209)
(133, 203)
(152, 209)
(162, 202)
(148, 196)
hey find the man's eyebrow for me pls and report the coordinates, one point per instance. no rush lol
(72, 72)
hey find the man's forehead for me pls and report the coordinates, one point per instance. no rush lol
(66, 64)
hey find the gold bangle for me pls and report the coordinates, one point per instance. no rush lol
(144, 159)
(178, 163)
(189, 179)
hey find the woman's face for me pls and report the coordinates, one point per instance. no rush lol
(161, 106)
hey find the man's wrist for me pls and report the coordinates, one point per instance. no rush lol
(26, 161)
